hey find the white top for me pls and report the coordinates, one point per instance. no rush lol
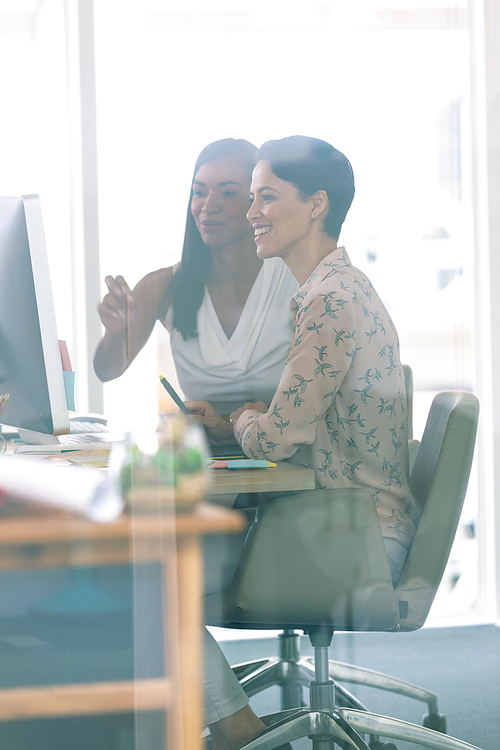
(246, 367)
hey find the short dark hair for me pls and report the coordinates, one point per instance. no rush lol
(311, 165)
(187, 286)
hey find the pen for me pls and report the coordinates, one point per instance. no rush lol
(175, 396)
(4, 397)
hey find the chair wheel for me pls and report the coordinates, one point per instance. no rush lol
(436, 722)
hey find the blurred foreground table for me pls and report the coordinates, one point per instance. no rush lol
(57, 540)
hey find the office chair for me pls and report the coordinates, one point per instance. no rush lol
(316, 561)
(291, 674)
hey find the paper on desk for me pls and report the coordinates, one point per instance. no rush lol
(97, 458)
(91, 492)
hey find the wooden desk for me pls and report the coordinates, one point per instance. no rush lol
(58, 540)
(284, 478)
(34, 542)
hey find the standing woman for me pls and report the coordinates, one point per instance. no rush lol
(230, 327)
(227, 312)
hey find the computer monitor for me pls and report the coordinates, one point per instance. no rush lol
(30, 358)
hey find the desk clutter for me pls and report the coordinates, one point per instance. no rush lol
(94, 493)
(4, 400)
(166, 471)
(163, 472)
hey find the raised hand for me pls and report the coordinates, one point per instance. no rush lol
(118, 309)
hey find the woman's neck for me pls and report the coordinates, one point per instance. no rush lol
(303, 260)
(232, 276)
(233, 264)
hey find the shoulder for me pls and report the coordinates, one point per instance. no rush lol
(152, 288)
(326, 301)
(155, 281)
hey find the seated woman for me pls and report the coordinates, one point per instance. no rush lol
(340, 403)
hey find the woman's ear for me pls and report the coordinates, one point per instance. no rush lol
(319, 204)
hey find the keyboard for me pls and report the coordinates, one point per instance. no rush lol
(87, 437)
(87, 432)
(77, 426)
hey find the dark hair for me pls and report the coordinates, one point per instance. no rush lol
(187, 286)
(311, 165)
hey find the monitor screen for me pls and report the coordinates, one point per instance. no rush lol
(30, 359)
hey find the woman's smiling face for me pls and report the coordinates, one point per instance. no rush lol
(219, 203)
(281, 219)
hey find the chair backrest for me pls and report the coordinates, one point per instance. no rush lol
(438, 483)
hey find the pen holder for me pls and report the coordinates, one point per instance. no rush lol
(167, 471)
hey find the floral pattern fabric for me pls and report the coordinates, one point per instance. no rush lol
(340, 405)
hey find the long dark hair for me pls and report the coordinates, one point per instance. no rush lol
(311, 165)
(187, 286)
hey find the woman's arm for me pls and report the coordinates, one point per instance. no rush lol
(129, 317)
(315, 369)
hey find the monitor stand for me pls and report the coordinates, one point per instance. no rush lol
(30, 437)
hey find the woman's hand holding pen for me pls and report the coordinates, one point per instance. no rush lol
(219, 430)
(118, 308)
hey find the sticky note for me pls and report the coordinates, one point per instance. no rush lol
(243, 463)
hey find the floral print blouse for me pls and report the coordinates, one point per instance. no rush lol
(340, 404)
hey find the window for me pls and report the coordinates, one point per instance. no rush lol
(34, 143)
(386, 82)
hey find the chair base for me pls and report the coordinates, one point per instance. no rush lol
(292, 674)
(346, 728)
(328, 725)
(370, 678)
